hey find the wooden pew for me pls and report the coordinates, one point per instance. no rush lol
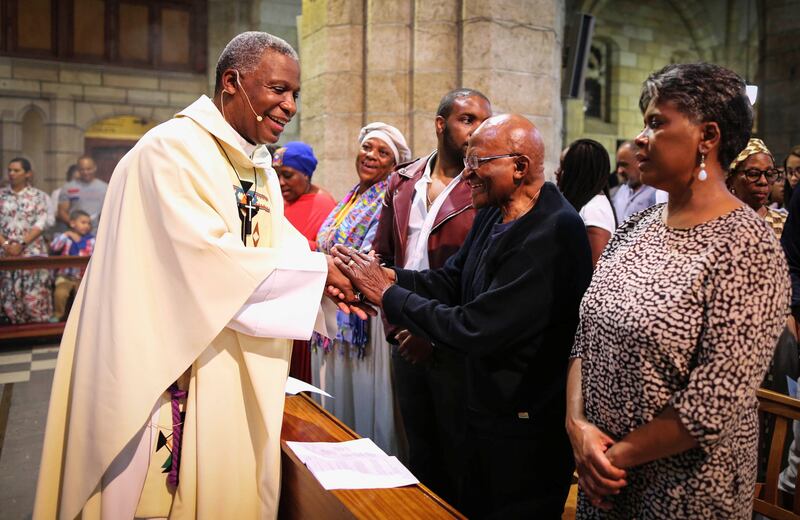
(302, 497)
(769, 500)
(37, 330)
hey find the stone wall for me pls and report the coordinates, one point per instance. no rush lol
(642, 37)
(394, 60)
(68, 98)
(780, 91)
(47, 106)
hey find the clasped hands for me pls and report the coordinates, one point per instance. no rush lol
(13, 249)
(598, 476)
(356, 280)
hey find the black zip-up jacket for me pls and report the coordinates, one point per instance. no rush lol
(508, 300)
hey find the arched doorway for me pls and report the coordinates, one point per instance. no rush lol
(110, 139)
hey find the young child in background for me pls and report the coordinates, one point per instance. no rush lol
(77, 241)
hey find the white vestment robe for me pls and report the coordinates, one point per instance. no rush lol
(168, 276)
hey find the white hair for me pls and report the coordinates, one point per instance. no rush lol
(245, 50)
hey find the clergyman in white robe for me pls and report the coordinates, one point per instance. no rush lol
(172, 291)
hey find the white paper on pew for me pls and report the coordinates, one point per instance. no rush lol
(357, 464)
(295, 386)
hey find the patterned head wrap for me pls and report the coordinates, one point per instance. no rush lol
(753, 147)
(391, 136)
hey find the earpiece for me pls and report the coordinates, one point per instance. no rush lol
(258, 117)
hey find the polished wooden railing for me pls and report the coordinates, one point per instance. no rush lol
(37, 330)
(42, 262)
(302, 496)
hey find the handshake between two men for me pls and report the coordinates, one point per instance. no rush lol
(356, 281)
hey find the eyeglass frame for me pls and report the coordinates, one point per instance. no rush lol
(778, 174)
(794, 172)
(481, 160)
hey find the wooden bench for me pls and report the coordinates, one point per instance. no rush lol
(769, 500)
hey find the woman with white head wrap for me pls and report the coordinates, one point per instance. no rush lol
(351, 367)
(389, 135)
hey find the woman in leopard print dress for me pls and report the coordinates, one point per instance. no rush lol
(678, 326)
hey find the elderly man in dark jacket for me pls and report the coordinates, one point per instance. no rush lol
(508, 302)
(427, 214)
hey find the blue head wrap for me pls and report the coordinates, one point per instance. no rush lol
(296, 155)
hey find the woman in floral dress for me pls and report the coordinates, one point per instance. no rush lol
(25, 295)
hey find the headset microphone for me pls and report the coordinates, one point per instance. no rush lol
(258, 117)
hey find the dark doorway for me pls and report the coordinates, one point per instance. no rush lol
(107, 153)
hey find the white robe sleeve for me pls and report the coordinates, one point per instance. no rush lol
(287, 303)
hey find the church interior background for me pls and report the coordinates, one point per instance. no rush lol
(92, 76)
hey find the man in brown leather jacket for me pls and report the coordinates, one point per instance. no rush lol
(426, 216)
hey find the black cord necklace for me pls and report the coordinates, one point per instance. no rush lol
(247, 209)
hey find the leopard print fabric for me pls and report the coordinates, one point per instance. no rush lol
(686, 318)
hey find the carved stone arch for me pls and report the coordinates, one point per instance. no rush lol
(609, 50)
(695, 16)
(85, 117)
(90, 113)
(23, 110)
(613, 46)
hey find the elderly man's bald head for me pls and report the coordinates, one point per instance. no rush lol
(513, 133)
(504, 164)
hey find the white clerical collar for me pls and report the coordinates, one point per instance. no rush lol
(256, 152)
(248, 147)
(206, 114)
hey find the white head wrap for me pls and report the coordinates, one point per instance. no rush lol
(391, 136)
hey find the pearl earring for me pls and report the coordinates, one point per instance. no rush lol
(703, 175)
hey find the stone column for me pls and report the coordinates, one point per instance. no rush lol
(436, 59)
(66, 143)
(367, 60)
(512, 53)
(331, 34)
(388, 72)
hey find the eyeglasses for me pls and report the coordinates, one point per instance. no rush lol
(473, 162)
(771, 174)
(793, 172)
